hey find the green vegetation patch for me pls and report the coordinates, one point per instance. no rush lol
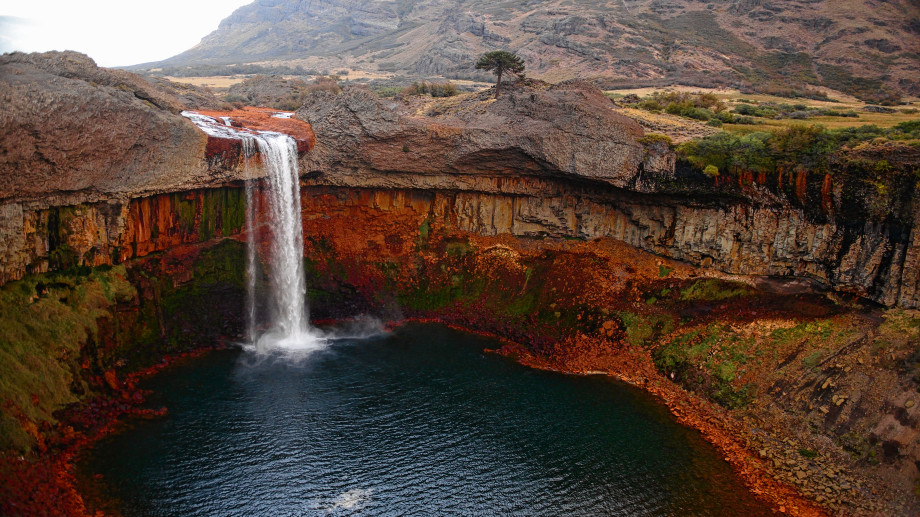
(44, 321)
(646, 329)
(780, 156)
(713, 290)
(223, 212)
(445, 89)
(710, 360)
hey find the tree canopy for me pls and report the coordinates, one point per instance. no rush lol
(499, 62)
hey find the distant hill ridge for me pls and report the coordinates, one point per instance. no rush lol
(870, 48)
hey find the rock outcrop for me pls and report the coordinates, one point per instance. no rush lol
(568, 131)
(81, 146)
(72, 131)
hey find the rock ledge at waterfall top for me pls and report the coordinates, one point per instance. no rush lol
(258, 119)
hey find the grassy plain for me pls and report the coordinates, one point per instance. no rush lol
(837, 102)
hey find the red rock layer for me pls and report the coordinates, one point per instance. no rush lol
(260, 119)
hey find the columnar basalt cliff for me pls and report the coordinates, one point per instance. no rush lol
(559, 161)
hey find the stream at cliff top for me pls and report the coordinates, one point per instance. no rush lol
(416, 422)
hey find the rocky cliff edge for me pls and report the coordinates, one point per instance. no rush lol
(565, 131)
(72, 132)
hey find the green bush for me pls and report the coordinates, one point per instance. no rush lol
(713, 290)
(746, 109)
(447, 89)
(698, 106)
(654, 138)
(725, 116)
(388, 91)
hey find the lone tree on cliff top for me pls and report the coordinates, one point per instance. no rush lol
(499, 62)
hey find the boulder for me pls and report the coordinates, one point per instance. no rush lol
(533, 130)
(69, 127)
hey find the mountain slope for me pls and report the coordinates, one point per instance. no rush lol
(859, 46)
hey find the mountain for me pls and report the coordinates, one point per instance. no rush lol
(862, 47)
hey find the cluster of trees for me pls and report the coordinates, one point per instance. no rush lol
(446, 89)
(707, 107)
(773, 110)
(699, 106)
(807, 147)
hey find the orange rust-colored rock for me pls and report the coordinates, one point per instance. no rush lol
(582, 354)
(827, 202)
(261, 119)
(801, 184)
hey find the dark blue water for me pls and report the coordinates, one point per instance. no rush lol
(419, 422)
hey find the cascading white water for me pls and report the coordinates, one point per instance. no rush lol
(288, 326)
(252, 270)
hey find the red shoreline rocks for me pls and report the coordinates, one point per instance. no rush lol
(47, 485)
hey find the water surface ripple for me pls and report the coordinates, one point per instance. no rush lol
(418, 422)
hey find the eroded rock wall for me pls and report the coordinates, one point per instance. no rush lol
(873, 261)
(741, 239)
(34, 239)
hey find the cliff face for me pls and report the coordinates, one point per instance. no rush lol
(560, 162)
(539, 161)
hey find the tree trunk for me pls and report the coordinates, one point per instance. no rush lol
(498, 84)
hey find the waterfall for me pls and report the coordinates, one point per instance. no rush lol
(284, 303)
(289, 327)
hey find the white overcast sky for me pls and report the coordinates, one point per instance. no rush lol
(112, 32)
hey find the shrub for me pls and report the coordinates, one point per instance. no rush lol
(746, 109)
(388, 91)
(447, 89)
(653, 138)
(325, 83)
(650, 105)
(726, 117)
